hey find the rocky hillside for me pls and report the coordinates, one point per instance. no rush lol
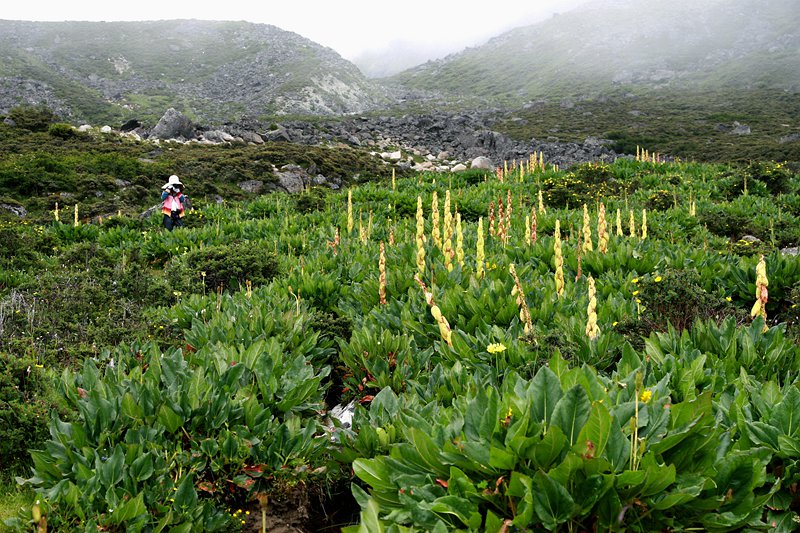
(628, 45)
(212, 71)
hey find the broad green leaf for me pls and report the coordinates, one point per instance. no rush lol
(520, 486)
(129, 510)
(169, 418)
(142, 467)
(545, 451)
(552, 502)
(546, 394)
(589, 491)
(595, 434)
(373, 472)
(461, 508)
(572, 412)
(186, 495)
(786, 415)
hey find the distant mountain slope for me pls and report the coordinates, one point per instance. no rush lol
(213, 71)
(628, 44)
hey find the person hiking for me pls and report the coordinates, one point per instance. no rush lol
(173, 200)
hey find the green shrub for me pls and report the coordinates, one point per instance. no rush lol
(62, 130)
(230, 266)
(26, 398)
(33, 118)
(677, 299)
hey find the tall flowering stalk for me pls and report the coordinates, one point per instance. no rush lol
(524, 312)
(75, 222)
(448, 218)
(541, 203)
(335, 242)
(435, 231)
(349, 212)
(447, 245)
(533, 226)
(55, 212)
(382, 276)
(420, 237)
(592, 331)
(459, 241)
(619, 223)
(579, 247)
(501, 219)
(632, 224)
(644, 224)
(587, 230)
(762, 294)
(480, 255)
(509, 209)
(492, 230)
(528, 230)
(394, 183)
(559, 259)
(444, 326)
(602, 230)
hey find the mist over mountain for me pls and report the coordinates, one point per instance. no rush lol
(649, 44)
(213, 71)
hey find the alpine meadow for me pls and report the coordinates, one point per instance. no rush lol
(549, 283)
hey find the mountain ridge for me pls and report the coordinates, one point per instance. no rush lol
(214, 70)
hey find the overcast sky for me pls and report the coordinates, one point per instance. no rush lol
(351, 27)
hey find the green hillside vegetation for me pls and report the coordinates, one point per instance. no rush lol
(604, 48)
(182, 380)
(686, 124)
(38, 169)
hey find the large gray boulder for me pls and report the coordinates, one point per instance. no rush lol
(218, 136)
(16, 210)
(252, 186)
(173, 125)
(292, 178)
(482, 162)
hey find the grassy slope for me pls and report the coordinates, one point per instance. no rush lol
(683, 124)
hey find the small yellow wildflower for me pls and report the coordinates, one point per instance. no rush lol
(657, 279)
(635, 293)
(495, 347)
(635, 281)
(727, 298)
(646, 395)
(613, 325)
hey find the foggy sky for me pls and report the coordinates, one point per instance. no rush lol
(351, 27)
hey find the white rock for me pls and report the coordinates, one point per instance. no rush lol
(459, 168)
(482, 162)
(105, 129)
(430, 157)
(396, 156)
(83, 128)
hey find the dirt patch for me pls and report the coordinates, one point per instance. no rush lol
(303, 510)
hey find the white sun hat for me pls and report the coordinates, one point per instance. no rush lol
(173, 180)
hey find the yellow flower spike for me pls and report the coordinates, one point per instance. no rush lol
(524, 311)
(559, 259)
(349, 212)
(602, 230)
(420, 237)
(435, 232)
(459, 241)
(382, 276)
(587, 231)
(592, 330)
(479, 252)
(644, 224)
(762, 294)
